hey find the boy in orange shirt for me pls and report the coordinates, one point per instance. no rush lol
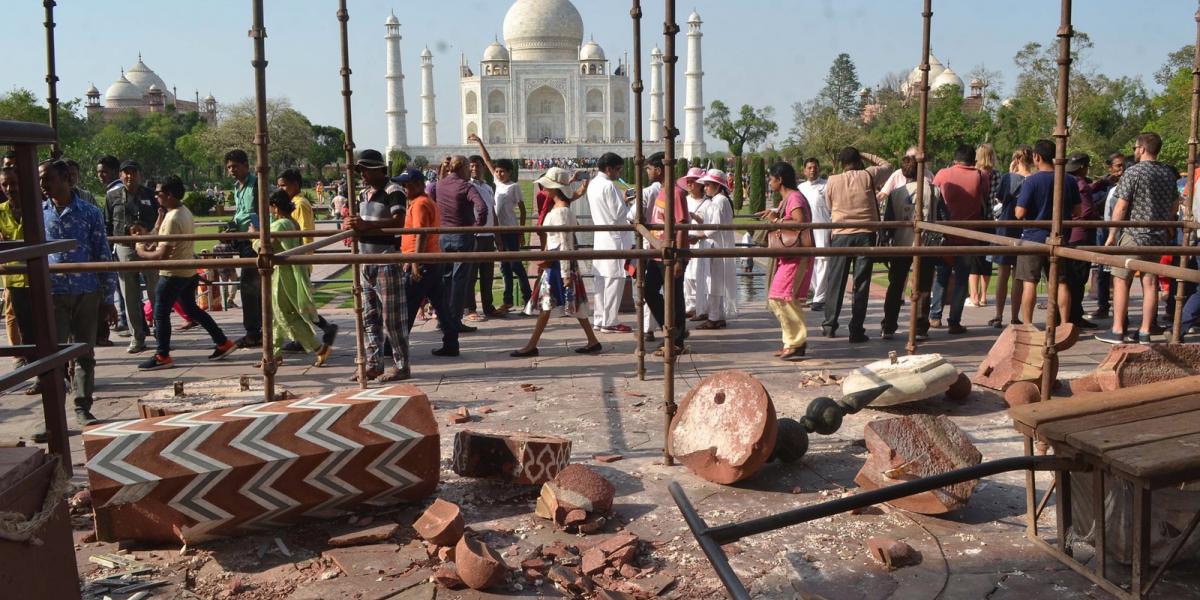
(424, 281)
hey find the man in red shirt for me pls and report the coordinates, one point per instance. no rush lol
(964, 189)
(424, 281)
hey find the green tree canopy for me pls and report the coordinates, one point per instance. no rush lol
(751, 128)
(841, 88)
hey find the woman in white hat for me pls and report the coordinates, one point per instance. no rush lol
(695, 276)
(722, 279)
(559, 290)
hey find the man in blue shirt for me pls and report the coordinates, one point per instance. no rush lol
(1036, 203)
(79, 298)
(245, 198)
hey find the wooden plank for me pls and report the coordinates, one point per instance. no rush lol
(1057, 431)
(1029, 417)
(1162, 462)
(1135, 433)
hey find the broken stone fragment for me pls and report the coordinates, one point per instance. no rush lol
(479, 566)
(592, 525)
(724, 429)
(607, 458)
(913, 378)
(1022, 392)
(374, 535)
(519, 458)
(916, 446)
(577, 488)
(442, 523)
(1017, 355)
(594, 561)
(575, 517)
(1129, 365)
(447, 577)
(893, 554)
(446, 554)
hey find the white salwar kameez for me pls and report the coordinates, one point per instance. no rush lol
(722, 272)
(607, 207)
(814, 192)
(695, 276)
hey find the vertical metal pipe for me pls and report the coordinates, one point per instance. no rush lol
(360, 360)
(52, 85)
(259, 34)
(919, 207)
(640, 165)
(670, 30)
(1049, 352)
(1180, 297)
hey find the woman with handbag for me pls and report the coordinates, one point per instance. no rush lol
(792, 277)
(559, 290)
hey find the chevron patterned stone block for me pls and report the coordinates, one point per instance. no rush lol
(235, 470)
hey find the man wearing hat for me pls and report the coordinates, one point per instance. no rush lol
(381, 205)
(608, 208)
(132, 210)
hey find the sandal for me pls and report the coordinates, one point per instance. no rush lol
(781, 350)
(791, 353)
(395, 375)
(698, 318)
(708, 325)
(592, 349)
(476, 317)
(996, 323)
(322, 355)
(523, 353)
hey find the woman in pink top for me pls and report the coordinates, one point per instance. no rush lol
(792, 274)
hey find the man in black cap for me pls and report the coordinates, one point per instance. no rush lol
(132, 210)
(381, 205)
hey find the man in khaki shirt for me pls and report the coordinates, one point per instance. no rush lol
(852, 199)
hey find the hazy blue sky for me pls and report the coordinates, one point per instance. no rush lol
(771, 52)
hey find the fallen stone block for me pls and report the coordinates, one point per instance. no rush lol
(576, 488)
(374, 535)
(915, 446)
(724, 429)
(594, 561)
(376, 559)
(913, 378)
(1022, 392)
(519, 458)
(607, 458)
(1017, 355)
(893, 554)
(441, 524)
(1128, 365)
(479, 566)
(195, 476)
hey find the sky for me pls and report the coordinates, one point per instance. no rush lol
(758, 52)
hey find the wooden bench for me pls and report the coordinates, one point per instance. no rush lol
(1147, 436)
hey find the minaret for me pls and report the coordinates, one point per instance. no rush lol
(397, 129)
(656, 96)
(428, 117)
(693, 144)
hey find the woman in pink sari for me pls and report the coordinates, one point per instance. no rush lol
(793, 275)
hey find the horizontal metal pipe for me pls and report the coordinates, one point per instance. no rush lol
(217, 235)
(318, 244)
(141, 265)
(14, 251)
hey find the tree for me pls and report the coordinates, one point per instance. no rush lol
(758, 183)
(841, 88)
(820, 132)
(290, 133)
(1176, 61)
(739, 197)
(399, 161)
(328, 146)
(751, 128)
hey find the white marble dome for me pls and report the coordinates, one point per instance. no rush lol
(143, 77)
(543, 30)
(914, 77)
(591, 51)
(92, 91)
(122, 93)
(947, 78)
(495, 52)
(392, 20)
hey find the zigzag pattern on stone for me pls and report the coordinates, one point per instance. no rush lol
(199, 475)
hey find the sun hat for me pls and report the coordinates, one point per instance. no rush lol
(556, 178)
(716, 176)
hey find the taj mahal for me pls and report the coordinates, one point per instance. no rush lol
(545, 92)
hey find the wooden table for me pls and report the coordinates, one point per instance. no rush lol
(1147, 436)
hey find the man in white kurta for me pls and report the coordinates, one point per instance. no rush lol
(607, 205)
(813, 190)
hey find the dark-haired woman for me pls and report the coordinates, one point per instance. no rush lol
(291, 294)
(792, 277)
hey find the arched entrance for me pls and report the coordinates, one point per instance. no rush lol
(546, 116)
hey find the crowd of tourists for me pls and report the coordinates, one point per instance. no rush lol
(481, 192)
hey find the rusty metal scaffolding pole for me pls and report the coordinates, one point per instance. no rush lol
(259, 33)
(639, 160)
(919, 208)
(670, 30)
(52, 81)
(1049, 351)
(360, 360)
(1181, 286)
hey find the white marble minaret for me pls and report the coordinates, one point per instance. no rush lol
(428, 116)
(693, 141)
(656, 96)
(397, 129)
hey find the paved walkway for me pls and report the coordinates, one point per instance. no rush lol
(599, 403)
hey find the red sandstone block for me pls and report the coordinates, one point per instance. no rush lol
(519, 458)
(892, 553)
(442, 523)
(479, 566)
(576, 488)
(374, 535)
(725, 428)
(911, 447)
(230, 471)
